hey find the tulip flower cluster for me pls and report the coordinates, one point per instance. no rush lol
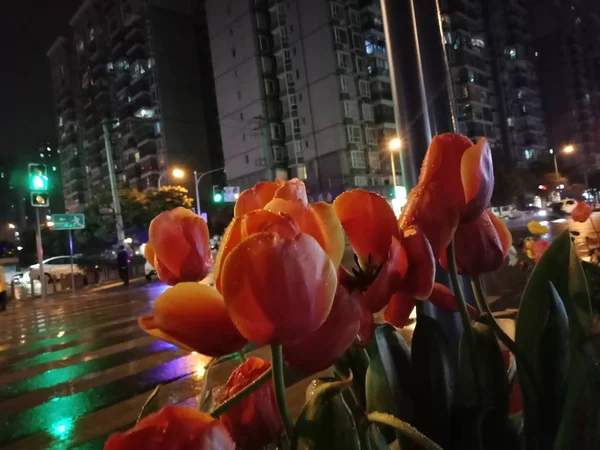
(279, 280)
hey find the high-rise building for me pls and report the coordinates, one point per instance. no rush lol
(303, 91)
(567, 49)
(143, 68)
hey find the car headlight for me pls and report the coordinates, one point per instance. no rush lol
(542, 213)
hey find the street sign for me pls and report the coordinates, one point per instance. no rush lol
(231, 193)
(68, 221)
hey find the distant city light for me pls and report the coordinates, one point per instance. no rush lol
(128, 240)
(19, 248)
(50, 223)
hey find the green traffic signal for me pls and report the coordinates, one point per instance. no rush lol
(38, 178)
(218, 197)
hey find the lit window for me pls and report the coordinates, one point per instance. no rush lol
(512, 53)
(136, 156)
(297, 149)
(145, 113)
(54, 168)
(158, 128)
(520, 94)
(357, 159)
(511, 121)
(337, 11)
(353, 133)
(293, 100)
(278, 154)
(478, 42)
(344, 60)
(529, 153)
(301, 171)
(60, 121)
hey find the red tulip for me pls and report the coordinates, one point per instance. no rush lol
(193, 316)
(481, 245)
(455, 185)
(582, 212)
(181, 246)
(256, 197)
(323, 347)
(401, 305)
(420, 275)
(174, 428)
(255, 421)
(539, 247)
(369, 223)
(278, 290)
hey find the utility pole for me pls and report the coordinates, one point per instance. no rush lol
(197, 178)
(113, 183)
(40, 252)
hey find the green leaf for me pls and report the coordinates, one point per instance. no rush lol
(405, 429)
(561, 266)
(592, 276)
(371, 437)
(326, 421)
(554, 358)
(433, 380)
(493, 381)
(151, 406)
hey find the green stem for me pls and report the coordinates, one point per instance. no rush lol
(405, 429)
(464, 316)
(266, 376)
(277, 357)
(522, 361)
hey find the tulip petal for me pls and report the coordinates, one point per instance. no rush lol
(149, 254)
(444, 298)
(369, 223)
(477, 175)
(242, 227)
(339, 331)
(278, 290)
(181, 241)
(194, 315)
(503, 232)
(388, 280)
(429, 209)
(399, 308)
(420, 275)
(256, 197)
(582, 212)
(442, 160)
(367, 326)
(330, 229)
(293, 189)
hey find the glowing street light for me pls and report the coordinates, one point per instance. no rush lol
(50, 224)
(394, 146)
(566, 149)
(176, 173)
(12, 226)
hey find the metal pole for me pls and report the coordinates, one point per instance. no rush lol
(113, 184)
(556, 168)
(72, 267)
(196, 182)
(393, 172)
(40, 253)
(160, 178)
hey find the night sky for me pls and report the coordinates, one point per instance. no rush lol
(27, 29)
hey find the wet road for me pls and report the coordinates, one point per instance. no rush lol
(74, 370)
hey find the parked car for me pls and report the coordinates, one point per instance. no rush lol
(506, 211)
(56, 267)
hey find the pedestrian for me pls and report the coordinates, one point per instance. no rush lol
(2, 290)
(123, 264)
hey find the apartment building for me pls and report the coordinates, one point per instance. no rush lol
(143, 67)
(303, 91)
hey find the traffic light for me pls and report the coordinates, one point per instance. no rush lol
(38, 177)
(40, 199)
(217, 194)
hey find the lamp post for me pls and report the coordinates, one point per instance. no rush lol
(394, 146)
(177, 173)
(197, 178)
(566, 149)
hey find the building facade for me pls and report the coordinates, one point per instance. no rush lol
(140, 68)
(567, 48)
(303, 91)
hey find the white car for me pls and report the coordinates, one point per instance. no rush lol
(55, 267)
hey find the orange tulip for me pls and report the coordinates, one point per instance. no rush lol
(256, 197)
(481, 245)
(193, 316)
(149, 254)
(369, 223)
(420, 275)
(278, 290)
(401, 305)
(582, 212)
(323, 347)
(244, 226)
(174, 428)
(455, 185)
(255, 421)
(181, 246)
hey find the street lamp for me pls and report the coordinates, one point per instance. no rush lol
(177, 173)
(566, 149)
(197, 178)
(12, 226)
(394, 146)
(50, 224)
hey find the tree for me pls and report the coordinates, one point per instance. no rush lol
(137, 208)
